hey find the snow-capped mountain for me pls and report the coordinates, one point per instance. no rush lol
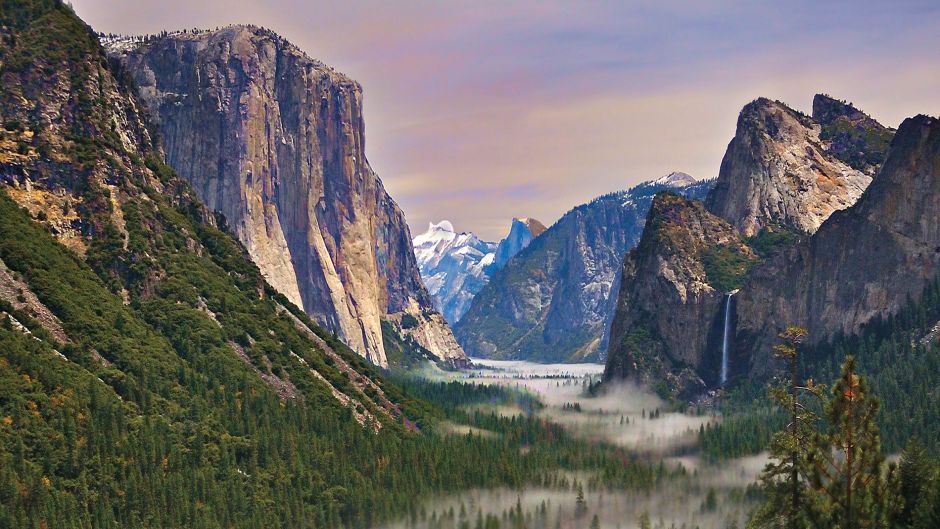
(675, 179)
(455, 266)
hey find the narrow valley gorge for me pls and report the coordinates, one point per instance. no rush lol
(215, 315)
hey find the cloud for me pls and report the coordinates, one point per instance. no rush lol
(478, 111)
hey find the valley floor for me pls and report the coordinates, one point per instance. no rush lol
(696, 495)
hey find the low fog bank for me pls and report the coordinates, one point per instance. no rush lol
(706, 497)
(625, 414)
(700, 501)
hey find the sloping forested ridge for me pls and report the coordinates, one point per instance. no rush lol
(175, 387)
(899, 354)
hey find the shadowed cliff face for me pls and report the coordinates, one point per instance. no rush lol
(777, 171)
(275, 141)
(864, 262)
(670, 294)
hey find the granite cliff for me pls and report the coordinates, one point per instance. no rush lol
(863, 263)
(814, 247)
(777, 170)
(275, 141)
(672, 289)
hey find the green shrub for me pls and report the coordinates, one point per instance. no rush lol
(725, 267)
(409, 322)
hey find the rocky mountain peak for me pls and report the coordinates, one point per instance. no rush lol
(534, 226)
(778, 170)
(676, 179)
(521, 232)
(444, 226)
(827, 109)
(455, 267)
(554, 300)
(821, 283)
(852, 135)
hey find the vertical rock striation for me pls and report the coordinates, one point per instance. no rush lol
(275, 141)
(671, 302)
(863, 263)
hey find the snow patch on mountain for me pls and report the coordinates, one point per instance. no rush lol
(455, 266)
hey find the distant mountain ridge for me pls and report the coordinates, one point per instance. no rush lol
(553, 301)
(456, 266)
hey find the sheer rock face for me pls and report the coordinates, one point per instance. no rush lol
(275, 141)
(777, 170)
(863, 262)
(554, 300)
(521, 233)
(667, 314)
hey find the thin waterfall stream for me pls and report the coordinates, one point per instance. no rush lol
(724, 339)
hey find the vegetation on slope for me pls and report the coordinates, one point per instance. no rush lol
(827, 467)
(189, 392)
(900, 355)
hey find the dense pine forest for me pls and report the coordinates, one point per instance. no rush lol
(903, 366)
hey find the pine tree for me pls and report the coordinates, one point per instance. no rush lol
(784, 480)
(915, 475)
(580, 505)
(846, 462)
(595, 522)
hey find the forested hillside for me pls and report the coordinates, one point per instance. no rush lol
(150, 376)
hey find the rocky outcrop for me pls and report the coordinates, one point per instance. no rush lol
(521, 233)
(863, 263)
(554, 300)
(780, 180)
(852, 135)
(779, 170)
(669, 305)
(275, 141)
(18, 294)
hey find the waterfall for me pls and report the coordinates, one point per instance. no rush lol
(724, 339)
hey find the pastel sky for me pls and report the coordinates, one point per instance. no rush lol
(477, 111)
